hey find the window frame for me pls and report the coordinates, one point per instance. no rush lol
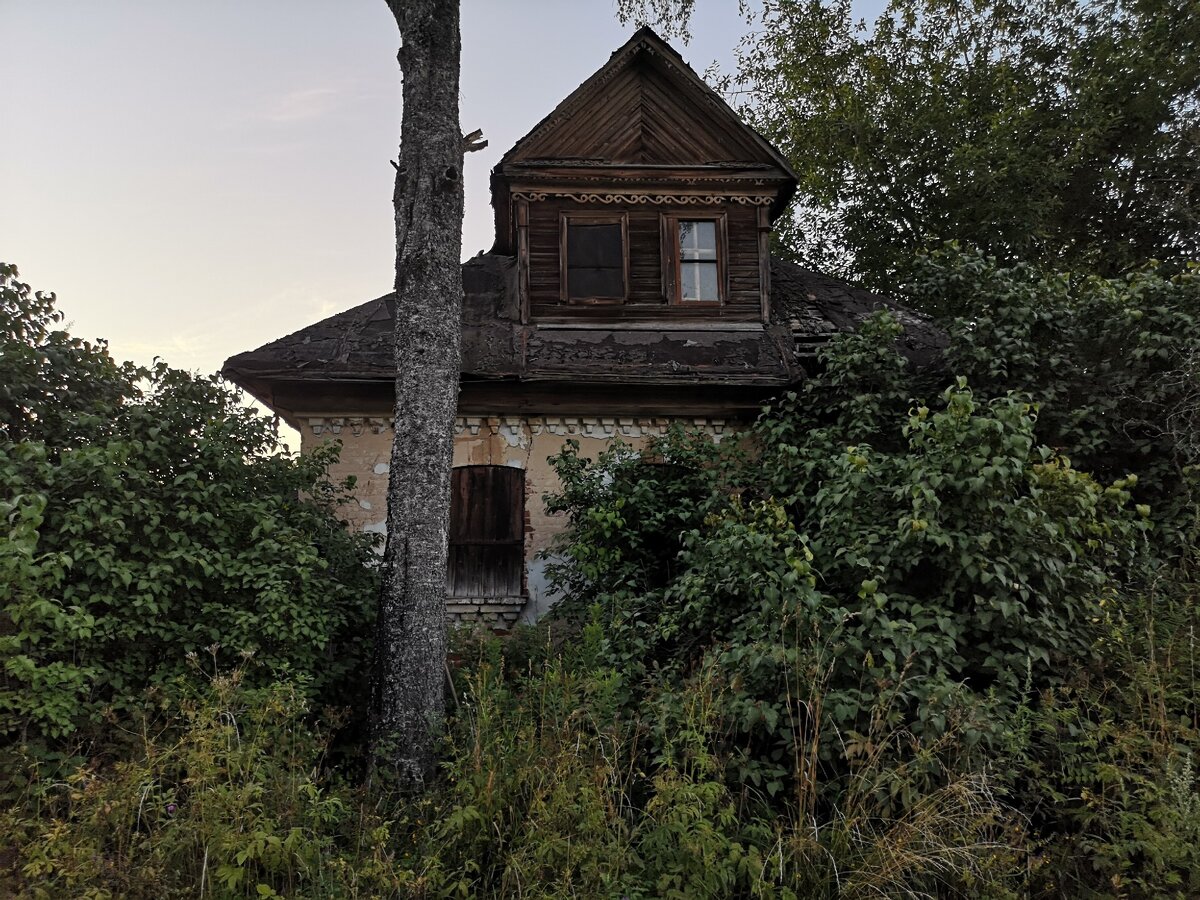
(673, 259)
(592, 218)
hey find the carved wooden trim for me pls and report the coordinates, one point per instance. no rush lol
(655, 199)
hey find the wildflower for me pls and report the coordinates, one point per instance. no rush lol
(171, 807)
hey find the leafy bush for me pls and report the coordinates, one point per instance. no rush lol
(547, 792)
(894, 597)
(148, 516)
(1114, 365)
(956, 551)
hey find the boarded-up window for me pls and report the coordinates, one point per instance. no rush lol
(487, 531)
(593, 261)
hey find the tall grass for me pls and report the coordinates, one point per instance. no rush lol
(548, 791)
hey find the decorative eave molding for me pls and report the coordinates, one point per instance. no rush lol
(356, 425)
(654, 199)
(514, 427)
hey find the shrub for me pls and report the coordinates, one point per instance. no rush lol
(951, 548)
(150, 516)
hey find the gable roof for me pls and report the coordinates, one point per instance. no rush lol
(645, 106)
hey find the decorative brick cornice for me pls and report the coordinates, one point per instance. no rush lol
(582, 426)
(355, 425)
(516, 427)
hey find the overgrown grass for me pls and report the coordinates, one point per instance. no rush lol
(547, 792)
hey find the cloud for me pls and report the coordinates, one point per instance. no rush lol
(303, 105)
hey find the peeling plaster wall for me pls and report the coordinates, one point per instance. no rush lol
(525, 442)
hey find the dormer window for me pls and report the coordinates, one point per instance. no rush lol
(594, 262)
(694, 260)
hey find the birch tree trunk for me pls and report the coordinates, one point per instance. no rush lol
(408, 693)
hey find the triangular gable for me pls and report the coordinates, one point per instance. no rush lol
(645, 106)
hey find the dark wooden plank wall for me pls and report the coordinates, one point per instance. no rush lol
(487, 532)
(646, 298)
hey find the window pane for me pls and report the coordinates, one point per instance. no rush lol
(595, 261)
(698, 240)
(698, 281)
(583, 283)
(594, 245)
(688, 281)
(708, 281)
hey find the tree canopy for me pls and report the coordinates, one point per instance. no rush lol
(1061, 132)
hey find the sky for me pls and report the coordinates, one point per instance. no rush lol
(197, 179)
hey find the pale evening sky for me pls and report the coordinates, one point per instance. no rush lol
(196, 179)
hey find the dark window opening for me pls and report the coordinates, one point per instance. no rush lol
(487, 532)
(594, 258)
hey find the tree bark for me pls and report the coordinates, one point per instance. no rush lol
(408, 702)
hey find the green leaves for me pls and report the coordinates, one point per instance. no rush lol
(914, 562)
(1051, 131)
(152, 518)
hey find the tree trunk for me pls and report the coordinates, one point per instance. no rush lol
(408, 693)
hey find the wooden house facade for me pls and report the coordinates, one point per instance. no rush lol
(631, 286)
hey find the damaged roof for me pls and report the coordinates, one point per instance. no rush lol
(806, 310)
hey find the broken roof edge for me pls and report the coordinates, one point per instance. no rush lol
(356, 346)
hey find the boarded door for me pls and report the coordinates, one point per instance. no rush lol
(487, 531)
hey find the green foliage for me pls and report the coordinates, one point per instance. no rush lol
(1105, 763)
(53, 386)
(1113, 364)
(162, 518)
(943, 548)
(549, 785)
(892, 597)
(1053, 131)
(876, 646)
(547, 792)
(222, 796)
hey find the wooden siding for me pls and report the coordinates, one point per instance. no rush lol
(646, 114)
(487, 532)
(647, 293)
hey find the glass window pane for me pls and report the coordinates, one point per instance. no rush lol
(687, 235)
(688, 281)
(698, 240)
(594, 281)
(708, 281)
(594, 245)
(595, 261)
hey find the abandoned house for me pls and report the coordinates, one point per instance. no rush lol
(630, 286)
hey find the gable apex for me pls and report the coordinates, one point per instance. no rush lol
(644, 107)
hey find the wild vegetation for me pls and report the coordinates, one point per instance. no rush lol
(898, 641)
(914, 633)
(1060, 132)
